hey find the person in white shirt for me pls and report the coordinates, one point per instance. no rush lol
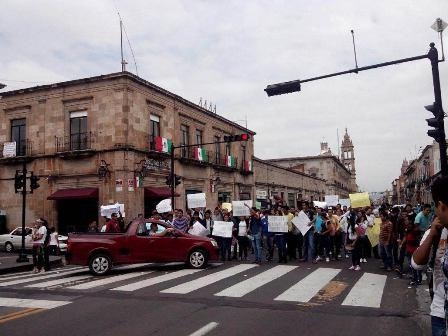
(38, 237)
(436, 237)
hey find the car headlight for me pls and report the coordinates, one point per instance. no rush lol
(214, 243)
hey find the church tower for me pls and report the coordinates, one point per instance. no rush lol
(348, 155)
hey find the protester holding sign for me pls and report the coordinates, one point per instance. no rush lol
(226, 242)
(255, 229)
(268, 237)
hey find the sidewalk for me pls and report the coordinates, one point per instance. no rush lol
(9, 264)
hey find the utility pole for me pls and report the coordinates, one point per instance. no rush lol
(22, 254)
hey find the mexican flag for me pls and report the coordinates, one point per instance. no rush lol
(163, 145)
(247, 165)
(138, 182)
(200, 154)
(230, 161)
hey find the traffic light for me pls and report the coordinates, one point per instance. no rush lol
(19, 182)
(33, 182)
(281, 88)
(177, 180)
(438, 133)
(237, 137)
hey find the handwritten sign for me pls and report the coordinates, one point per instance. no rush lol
(301, 222)
(278, 223)
(196, 200)
(222, 229)
(318, 204)
(239, 208)
(359, 200)
(345, 201)
(331, 200)
(198, 230)
(108, 210)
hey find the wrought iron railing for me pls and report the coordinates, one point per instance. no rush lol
(74, 142)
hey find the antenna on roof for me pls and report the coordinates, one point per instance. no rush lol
(123, 28)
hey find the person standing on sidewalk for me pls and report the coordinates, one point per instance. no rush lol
(38, 237)
(436, 236)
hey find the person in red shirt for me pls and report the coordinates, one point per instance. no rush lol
(112, 225)
(412, 241)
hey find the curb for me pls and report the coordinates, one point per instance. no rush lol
(28, 266)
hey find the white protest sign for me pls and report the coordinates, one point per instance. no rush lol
(278, 223)
(222, 229)
(108, 210)
(318, 204)
(196, 200)
(240, 209)
(164, 206)
(301, 222)
(198, 230)
(332, 200)
(242, 229)
(9, 149)
(345, 201)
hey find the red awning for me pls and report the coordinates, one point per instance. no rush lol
(78, 193)
(159, 192)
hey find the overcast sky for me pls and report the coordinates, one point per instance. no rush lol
(228, 51)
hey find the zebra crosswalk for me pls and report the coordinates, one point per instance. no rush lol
(275, 283)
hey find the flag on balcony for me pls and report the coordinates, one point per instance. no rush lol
(138, 182)
(230, 161)
(163, 144)
(247, 165)
(200, 154)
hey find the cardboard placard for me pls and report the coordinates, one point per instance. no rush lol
(227, 206)
(198, 230)
(278, 223)
(331, 200)
(345, 201)
(240, 209)
(164, 206)
(359, 200)
(318, 204)
(108, 210)
(196, 200)
(301, 222)
(222, 229)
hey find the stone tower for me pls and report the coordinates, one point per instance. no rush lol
(348, 154)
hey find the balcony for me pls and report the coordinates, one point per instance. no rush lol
(74, 146)
(23, 149)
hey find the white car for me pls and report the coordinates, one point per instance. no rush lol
(13, 240)
(62, 243)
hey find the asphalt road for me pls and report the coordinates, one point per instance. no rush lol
(225, 299)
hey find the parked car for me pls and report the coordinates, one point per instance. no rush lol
(13, 240)
(100, 251)
(62, 243)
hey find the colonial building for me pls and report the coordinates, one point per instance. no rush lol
(339, 174)
(106, 139)
(275, 184)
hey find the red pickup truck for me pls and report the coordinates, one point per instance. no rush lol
(139, 244)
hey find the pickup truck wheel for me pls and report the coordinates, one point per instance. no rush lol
(197, 259)
(100, 264)
(9, 247)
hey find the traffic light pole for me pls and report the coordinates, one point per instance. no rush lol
(22, 254)
(432, 55)
(434, 58)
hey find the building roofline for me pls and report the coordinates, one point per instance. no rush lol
(287, 169)
(333, 157)
(134, 78)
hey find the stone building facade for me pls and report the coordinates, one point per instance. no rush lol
(277, 184)
(96, 141)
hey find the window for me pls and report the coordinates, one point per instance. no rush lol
(184, 135)
(217, 149)
(78, 130)
(154, 130)
(18, 135)
(199, 137)
(243, 152)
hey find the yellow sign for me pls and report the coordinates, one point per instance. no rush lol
(373, 233)
(359, 200)
(227, 206)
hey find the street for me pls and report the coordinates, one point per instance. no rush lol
(228, 298)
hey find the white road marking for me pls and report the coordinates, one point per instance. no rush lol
(305, 289)
(41, 276)
(153, 281)
(28, 303)
(59, 281)
(367, 292)
(28, 274)
(205, 329)
(249, 285)
(208, 279)
(109, 280)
